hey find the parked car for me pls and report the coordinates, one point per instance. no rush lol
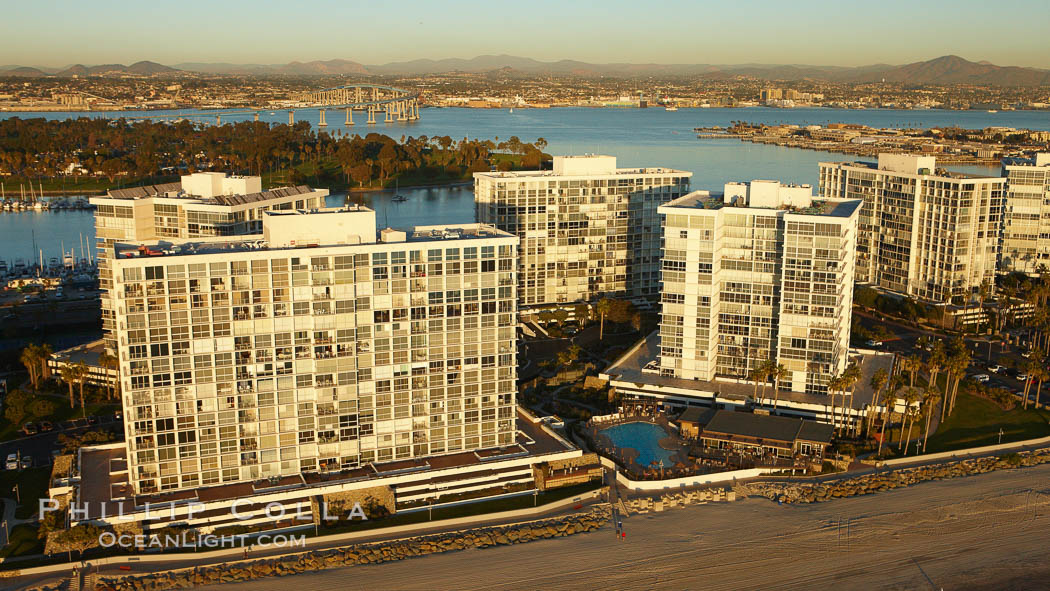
(874, 343)
(981, 378)
(1022, 377)
(12, 462)
(46, 426)
(26, 463)
(30, 429)
(996, 368)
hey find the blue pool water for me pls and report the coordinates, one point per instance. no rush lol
(643, 437)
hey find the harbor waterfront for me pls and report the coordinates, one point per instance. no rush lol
(637, 137)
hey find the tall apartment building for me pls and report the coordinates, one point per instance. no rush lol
(587, 228)
(924, 232)
(1026, 215)
(200, 205)
(315, 347)
(764, 271)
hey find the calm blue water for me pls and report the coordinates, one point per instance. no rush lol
(637, 137)
(643, 437)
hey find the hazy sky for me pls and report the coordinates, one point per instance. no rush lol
(841, 32)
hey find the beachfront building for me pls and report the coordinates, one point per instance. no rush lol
(316, 364)
(588, 229)
(761, 272)
(314, 347)
(925, 232)
(200, 205)
(1026, 215)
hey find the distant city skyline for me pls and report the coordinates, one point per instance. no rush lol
(752, 31)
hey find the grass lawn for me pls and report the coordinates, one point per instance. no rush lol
(23, 541)
(32, 486)
(976, 422)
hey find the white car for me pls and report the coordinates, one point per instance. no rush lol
(1022, 377)
(874, 343)
(12, 462)
(981, 377)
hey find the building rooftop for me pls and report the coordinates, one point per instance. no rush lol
(584, 165)
(174, 191)
(745, 424)
(936, 172)
(843, 208)
(255, 242)
(628, 368)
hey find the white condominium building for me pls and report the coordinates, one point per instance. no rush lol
(201, 204)
(1026, 215)
(587, 228)
(924, 232)
(315, 347)
(763, 272)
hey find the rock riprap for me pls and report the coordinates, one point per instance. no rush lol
(818, 492)
(372, 553)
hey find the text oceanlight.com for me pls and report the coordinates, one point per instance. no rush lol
(187, 540)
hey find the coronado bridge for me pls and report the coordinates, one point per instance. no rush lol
(378, 102)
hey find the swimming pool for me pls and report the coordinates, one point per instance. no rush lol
(643, 437)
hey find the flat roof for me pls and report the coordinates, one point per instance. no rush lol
(256, 242)
(938, 172)
(517, 174)
(840, 208)
(745, 424)
(629, 369)
(175, 191)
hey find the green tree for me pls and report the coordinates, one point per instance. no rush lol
(603, 307)
(83, 536)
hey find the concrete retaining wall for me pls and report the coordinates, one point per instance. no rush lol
(648, 485)
(964, 452)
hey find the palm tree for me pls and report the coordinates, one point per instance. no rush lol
(877, 383)
(602, 308)
(45, 351)
(938, 359)
(837, 384)
(30, 358)
(851, 376)
(81, 372)
(888, 401)
(1040, 376)
(779, 372)
(68, 373)
(107, 362)
(911, 364)
(929, 400)
(911, 399)
(758, 376)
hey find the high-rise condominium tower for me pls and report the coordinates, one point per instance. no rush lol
(587, 228)
(924, 232)
(763, 272)
(313, 347)
(1026, 215)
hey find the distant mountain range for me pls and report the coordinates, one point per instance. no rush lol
(948, 69)
(143, 68)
